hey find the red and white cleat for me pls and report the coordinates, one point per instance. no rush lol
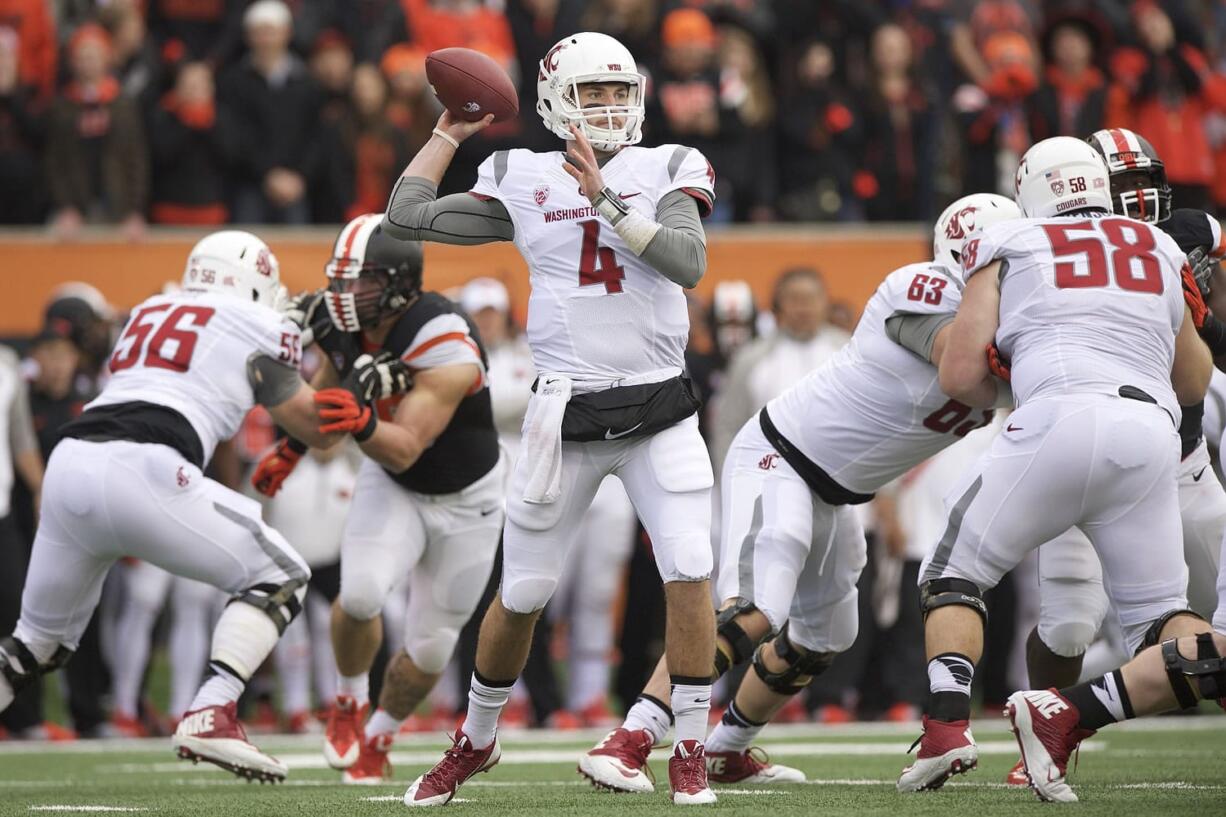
(1017, 775)
(214, 735)
(750, 766)
(437, 786)
(372, 766)
(343, 734)
(687, 775)
(946, 748)
(1045, 724)
(619, 763)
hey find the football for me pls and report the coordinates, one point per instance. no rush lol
(471, 85)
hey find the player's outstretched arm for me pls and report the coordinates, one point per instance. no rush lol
(421, 417)
(964, 372)
(297, 415)
(414, 213)
(1193, 366)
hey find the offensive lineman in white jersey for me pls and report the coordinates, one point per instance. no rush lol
(792, 547)
(611, 234)
(1090, 308)
(126, 481)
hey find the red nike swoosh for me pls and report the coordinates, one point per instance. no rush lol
(628, 195)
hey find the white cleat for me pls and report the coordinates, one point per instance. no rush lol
(619, 763)
(1045, 725)
(214, 735)
(687, 775)
(750, 766)
(946, 748)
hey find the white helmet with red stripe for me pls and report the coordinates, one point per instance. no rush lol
(237, 263)
(1139, 188)
(371, 275)
(967, 215)
(1061, 175)
(590, 57)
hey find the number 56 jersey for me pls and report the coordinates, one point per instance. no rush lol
(190, 352)
(597, 311)
(1087, 305)
(875, 409)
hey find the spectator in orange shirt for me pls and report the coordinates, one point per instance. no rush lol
(1166, 90)
(1072, 97)
(435, 24)
(31, 21)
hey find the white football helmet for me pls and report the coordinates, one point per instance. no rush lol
(1061, 175)
(967, 215)
(238, 263)
(590, 57)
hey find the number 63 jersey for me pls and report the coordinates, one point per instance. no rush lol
(597, 311)
(1087, 305)
(875, 409)
(190, 352)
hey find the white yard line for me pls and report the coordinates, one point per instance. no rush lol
(85, 808)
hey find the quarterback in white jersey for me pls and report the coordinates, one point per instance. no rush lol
(127, 480)
(1090, 308)
(611, 235)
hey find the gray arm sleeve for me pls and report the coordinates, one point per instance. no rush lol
(414, 214)
(272, 381)
(915, 333)
(678, 251)
(22, 437)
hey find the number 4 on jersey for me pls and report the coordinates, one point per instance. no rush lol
(609, 273)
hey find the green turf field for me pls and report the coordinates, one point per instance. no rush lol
(1163, 766)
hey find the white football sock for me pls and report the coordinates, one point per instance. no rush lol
(381, 723)
(219, 689)
(355, 686)
(734, 733)
(651, 714)
(485, 703)
(691, 705)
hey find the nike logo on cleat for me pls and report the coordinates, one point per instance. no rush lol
(197, 723)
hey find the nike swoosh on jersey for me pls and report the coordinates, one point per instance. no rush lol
(1196, 477)
(1012, 427)
(628, 195)
(609, 435)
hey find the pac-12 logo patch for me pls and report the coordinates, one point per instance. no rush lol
(182, 478)
(540, 194)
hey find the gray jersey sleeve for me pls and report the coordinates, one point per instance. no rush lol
(272, 381)
(22, 437)
(415, 214)
(916, 333)
(678, 251)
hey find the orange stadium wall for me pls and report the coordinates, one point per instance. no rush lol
(853, 259)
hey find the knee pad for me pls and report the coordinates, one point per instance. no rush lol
(362, 593)
(19, 666)
(942, 592)
(740, 646)
(1207, 670)
(1153, 635)
(431, 649)
(526, 595)
(280, 602)
(802, 667)
(1068, 639)
(684, 558)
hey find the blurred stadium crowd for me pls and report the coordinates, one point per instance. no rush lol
(604, 630)
(133, 112)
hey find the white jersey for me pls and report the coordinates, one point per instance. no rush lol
(189, 352)
(876, 409)
(597, 311)
(1087, 305)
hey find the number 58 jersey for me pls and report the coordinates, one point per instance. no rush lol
(1087, 305)
(875, 409)
(190, 352)
(597, 311)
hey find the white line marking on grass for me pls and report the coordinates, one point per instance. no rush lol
(86, 808)
(399, 798)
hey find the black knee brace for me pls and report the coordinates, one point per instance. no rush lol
(1208, 669)
(936, 593)
(802, 667)
(741, 644)
(1153, 635)
(19, 666)
(279, 602)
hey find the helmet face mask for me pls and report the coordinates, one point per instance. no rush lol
(584, 59)
(1139, 188)
(371, 276)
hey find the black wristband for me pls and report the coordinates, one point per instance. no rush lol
(297, 446)
(364, 433)
(1213, 333)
